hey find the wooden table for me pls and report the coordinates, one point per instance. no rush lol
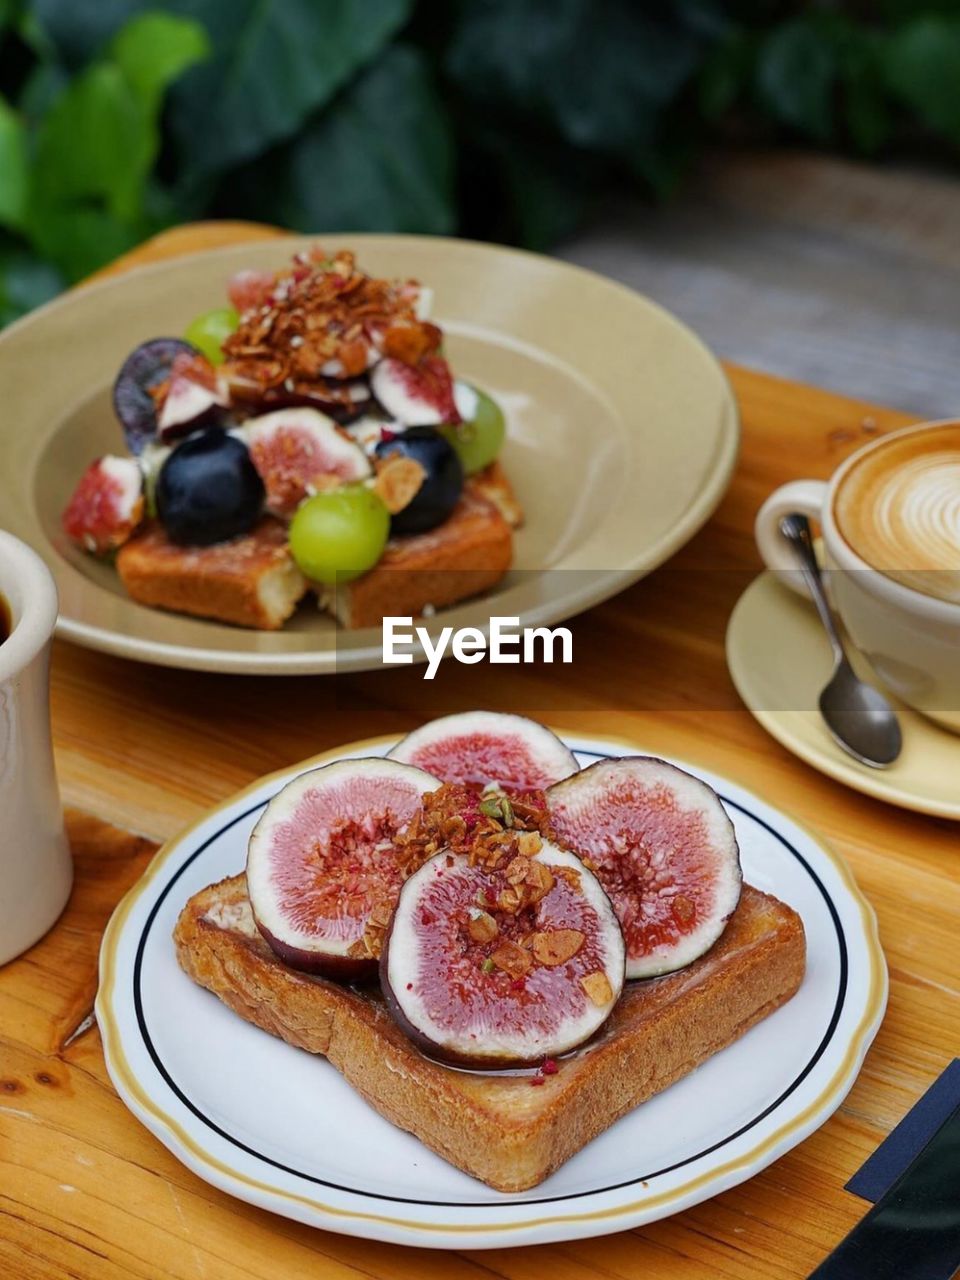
(85, 1191)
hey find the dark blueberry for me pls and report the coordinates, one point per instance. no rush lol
(442, 486)
(146, 367)
(208, 490)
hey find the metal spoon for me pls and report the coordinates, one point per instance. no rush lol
(858, 716)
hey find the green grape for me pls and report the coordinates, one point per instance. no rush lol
(208, 332)
(480, 439)
(339, 534)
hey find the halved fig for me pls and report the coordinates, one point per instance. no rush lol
(191, 397)
(106, 506)
(250, 288)
(488, 748)
(504, 966)
(298, 452)
(662, 846)
(418, 395)
(251, 384)
(323, 872)
(142, 376)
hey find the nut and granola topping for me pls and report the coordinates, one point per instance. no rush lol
(557, 946)
(322, 323)
(503, 835)
(489, 827)
(398, 482)
(597, 987)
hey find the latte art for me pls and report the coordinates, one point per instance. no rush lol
(899, 509)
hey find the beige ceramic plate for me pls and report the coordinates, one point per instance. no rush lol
(622, 435)
(779, 659)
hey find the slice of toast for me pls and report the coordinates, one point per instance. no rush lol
(251, 581)
(500, 1128)
(468, 554)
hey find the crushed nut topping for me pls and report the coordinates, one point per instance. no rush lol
(512, 959)
(481, 926)
(487, 826)
(370, 944)
(557, 946)
(398, 482)
(597, 987)
(322, 323)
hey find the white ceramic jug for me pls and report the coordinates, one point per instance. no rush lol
(36, 870)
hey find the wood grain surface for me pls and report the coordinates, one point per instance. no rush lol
(86, 1192)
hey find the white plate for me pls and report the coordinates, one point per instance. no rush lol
(622, 434)
(281, 1129)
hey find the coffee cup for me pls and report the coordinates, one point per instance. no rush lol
(890, 524)
(36, 870)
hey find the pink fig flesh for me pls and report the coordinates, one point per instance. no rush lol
(488, 748)
(418, 395)
(662, 846)
(298, 452)
(323, 871)
(106, 506)
(454, 974)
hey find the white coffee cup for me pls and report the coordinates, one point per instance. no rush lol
(911, 639)
(36, 869)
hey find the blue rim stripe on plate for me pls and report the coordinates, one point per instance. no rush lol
(486, 1204)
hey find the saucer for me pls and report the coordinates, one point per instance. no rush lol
(779, 659)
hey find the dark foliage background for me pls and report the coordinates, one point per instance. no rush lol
(502, 119)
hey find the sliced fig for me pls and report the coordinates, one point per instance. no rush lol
(323, 873)
(418, 395)
(106, 506)
(298, 452)
(488, 747)
(662, 846)
(142, 376)
(250, 288)
(504, 966)
(191, 397)
(250, 383)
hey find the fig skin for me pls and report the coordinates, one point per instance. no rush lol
(480, 1061)
(336, 968)
(147, 366)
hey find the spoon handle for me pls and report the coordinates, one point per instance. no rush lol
(796, 529)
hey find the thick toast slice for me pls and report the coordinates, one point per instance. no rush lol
(468, 554)
(499, 1128)
(250, 581)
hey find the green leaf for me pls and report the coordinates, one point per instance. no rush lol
(922, 68)
(866, 111)
(598, 72)
(96, 142)
(78, 239)
(77, 32)
(380, 158)
(14, 170)
(26, 281)
(274, 65)
(154, 49)
(796, 74)
(538, 187)
(725, 73)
